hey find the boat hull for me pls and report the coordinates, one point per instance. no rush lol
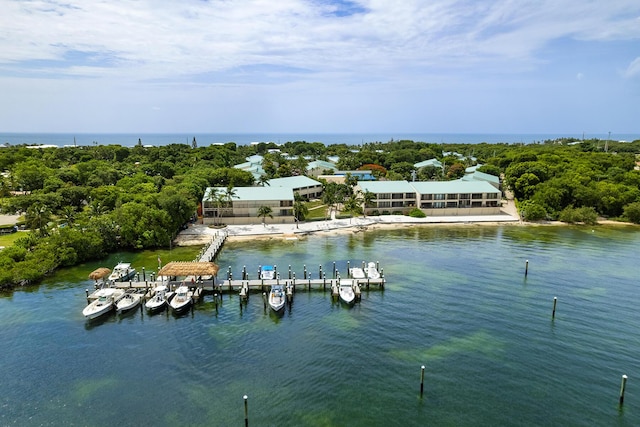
(182, 300)
(103, 304)
(277, 299)
(345, 292)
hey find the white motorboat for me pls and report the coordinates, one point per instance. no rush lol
(104, 302)
(267, 272)
(122, 272)
(357, 273)
(345, 291)
(181, 300)
(159, 300)
(277, 298)
(372, 271)
(128, 301)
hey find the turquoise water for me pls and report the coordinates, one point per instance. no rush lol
(456, 301)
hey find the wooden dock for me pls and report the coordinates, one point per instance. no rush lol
(246, 287)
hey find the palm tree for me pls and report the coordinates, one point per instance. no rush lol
(264, 212)
(264, 179)
(367, 198)
(38, 217)
(300, 209)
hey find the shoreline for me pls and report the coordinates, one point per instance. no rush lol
(199, 234)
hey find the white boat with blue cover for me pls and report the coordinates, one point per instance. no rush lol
(267, 272)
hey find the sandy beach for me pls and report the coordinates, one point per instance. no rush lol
(198, 234)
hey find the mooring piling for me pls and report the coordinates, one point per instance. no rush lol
(623, 386)
(553, 313)
(246, 410)
(421, 380)
(526, 268)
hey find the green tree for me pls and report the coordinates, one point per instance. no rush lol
(632, 212)
(38, 217)
(300, 209)
(264, 212)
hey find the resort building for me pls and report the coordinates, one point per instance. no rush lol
(241, 207)
(306, 187)
(434, 198)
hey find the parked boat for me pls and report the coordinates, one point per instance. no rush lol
(128, 301)
(267, 272)
(357, 273)
(103, 303)
(159, 300)
(277, 298)
(122, 272)
(345, 291)
(372, 271)
(182, 299)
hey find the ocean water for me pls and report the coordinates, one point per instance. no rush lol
(205, 139)
(456, 301)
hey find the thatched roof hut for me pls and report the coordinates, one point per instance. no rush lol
(99, 273)
(179, 268)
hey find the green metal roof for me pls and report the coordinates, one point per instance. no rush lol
(294, 182)
(254, 193)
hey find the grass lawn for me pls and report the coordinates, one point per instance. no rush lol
(316, 210)
(8, 239)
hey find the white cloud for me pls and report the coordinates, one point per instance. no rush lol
(633, 69)
(167, 39)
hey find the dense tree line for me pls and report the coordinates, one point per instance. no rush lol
(82, 203)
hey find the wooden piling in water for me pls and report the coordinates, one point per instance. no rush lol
(623, 386)
(246, 411)
(526, 268)
(421, 380)
(555, 301)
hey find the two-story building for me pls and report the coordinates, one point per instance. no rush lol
(434, 198)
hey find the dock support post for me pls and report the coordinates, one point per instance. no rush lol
(623, 385)
(244, 272)
(264, 300)
(526, 268)
(86, 291)
(305, 272)
(289, 271)
(229, 272)
(144, 277)
(320, 271)
(324, 282)
(348, 268)
(421, 380)
(246, 411)
(555, 301)
(334, 269)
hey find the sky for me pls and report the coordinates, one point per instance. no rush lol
(348, 66)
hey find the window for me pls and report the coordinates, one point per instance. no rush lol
(426, 197)
(465, 196)
(384, 196)
(438, 197)
(398, 196)
(452, 197)
(476, 196)
(452, 204)
(438, 205)
(384, 204)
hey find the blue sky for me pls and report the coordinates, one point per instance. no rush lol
(501, 66)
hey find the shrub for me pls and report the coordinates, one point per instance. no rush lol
(632, 212)
(417, 213)
(586, 215)
(530, 211)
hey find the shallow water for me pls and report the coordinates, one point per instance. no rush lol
(456, 301)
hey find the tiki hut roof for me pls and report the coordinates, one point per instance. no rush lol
(177, 268)
(99, 273)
